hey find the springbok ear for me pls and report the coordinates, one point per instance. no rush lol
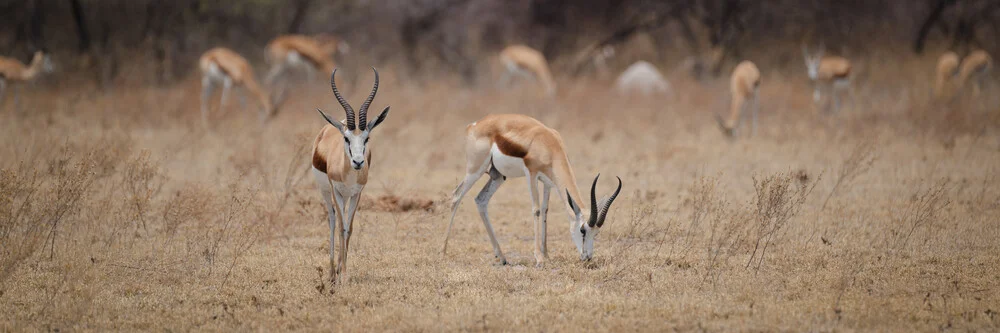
(337, 124)
(572, 204)
(381, 117)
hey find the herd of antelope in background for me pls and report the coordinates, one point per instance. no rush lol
(501, 146)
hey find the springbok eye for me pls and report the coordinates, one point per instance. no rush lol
(583, 232)
(366, 140)
(347, 141)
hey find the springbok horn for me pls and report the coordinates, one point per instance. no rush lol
(363, 112)
(606, 204)
(593, 203)
(347, 107)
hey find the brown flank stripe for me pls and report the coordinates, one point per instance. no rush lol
(509, 148)
(319, 163)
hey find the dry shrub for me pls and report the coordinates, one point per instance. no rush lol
(923, 209)
(142, 180)
(20, 216)
(191, 203)
(859, 161)
(395, 204)
(778, 198)
(726, 228)
(640, 238)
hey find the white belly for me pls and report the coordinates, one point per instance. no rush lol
(508, 166)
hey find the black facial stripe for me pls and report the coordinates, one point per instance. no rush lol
(583, 232)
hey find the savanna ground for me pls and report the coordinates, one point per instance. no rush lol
(119, 211)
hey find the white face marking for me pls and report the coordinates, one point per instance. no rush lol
(583, 237)
(509, 166)
(354, 147)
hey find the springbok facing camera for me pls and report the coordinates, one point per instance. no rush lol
(340, 162)
(976, 66)
(830, 72)
(223, 66)
(525, 61)
(947, 69)
(509, 146)
(13, 71)
(744, 86)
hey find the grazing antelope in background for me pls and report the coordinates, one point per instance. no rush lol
(522, 60)
(642, 78)
(300, 51)
(947, 69)
(832, 72)
(13, 71)
(511, 145)
(744, 86)
(975, 66)
(223, 66)
(341, 160)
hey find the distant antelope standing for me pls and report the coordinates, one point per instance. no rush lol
(13, 71)
(947, 69)
(341, 160)
(223, 66)
(525, 61)
(976, 66)
(830, 72)
(300, 51)
(510, 146)
(744, 86)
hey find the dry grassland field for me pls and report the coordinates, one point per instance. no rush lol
(118, 211)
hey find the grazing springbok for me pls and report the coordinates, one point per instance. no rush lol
(830, 72)
(644, 79)
(976, 66)
(223, 66)
(947, 69)
(511, 145)
(744, 86)
(300, 51)
(525, 61)
(13, 71)
(340, 162)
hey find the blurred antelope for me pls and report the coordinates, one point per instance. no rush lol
(744, 86)
(642, 78)
(976, 66)
(300, 51)
(524, 61)
(509, 146)
(947, 69)
(340, 162)
(13, 71)
(832, 72)
(223, 66)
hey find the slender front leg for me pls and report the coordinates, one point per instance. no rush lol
(352, 207)
(227, 84)
(536, 214)
(275, 71)
(482, 201)
(206, 93)
(339, 230)
(756, 109)
(546, 189)
(3, 89)
(326, 191)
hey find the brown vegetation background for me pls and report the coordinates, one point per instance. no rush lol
(118, 211)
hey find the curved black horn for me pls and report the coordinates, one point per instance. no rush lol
(593, 203)
(347, 107)
(363, 112)
(606, 204)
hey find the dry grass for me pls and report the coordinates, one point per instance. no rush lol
(117, 211)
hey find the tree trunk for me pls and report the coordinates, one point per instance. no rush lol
(925, 28)
(301, 7)
(83, 36)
